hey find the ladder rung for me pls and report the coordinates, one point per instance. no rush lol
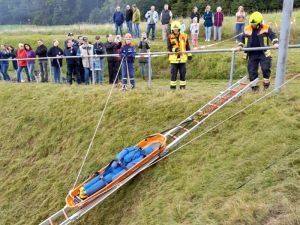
(225, 97)
(50, 221)
(202, 113)
(195, 121)
(183, 128)
(244, 84)
(214, 105)
(234, 90)
(173, 136)
(65, 214)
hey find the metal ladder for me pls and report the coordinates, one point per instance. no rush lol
(174, 136)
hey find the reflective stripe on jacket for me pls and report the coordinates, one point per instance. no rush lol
(265, 34)
(178, 43)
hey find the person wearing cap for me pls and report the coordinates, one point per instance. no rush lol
(177, 43)
(86, 50)
(99, 49)
(118, 19)
(128, 19)
(70, 36)
(72, 64)
(136, 20)
(128, 54)
(258, 34)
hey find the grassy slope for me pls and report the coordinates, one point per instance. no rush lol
(46, 129)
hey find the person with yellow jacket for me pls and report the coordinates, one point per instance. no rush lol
(136, 20)
(258, 34)
(178, 42)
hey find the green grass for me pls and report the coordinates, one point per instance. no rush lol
(44, 136)
(45, 130)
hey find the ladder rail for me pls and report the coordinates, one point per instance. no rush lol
(80, 212)
(182, 136)
(210, 102)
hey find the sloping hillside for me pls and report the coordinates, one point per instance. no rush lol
(46, 129)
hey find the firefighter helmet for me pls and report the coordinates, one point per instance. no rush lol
(175, 25)
(256, 18)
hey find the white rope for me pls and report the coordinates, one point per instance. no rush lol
(98, 124)
(229, 118)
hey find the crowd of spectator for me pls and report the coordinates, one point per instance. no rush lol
(86, 70)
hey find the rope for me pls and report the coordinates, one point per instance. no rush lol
(208, 46)
(98, 125)
(229, 118)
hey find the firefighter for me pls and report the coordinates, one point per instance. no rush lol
(178, 42)
(258, 34)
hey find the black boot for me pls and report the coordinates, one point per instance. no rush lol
(255, 88)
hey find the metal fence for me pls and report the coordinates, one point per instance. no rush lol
(151, 55)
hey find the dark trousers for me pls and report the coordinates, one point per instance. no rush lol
(149, 28)
(265, 64)
(81, 71)
(175, 68)
(44, 71)
(111, 71)
(73, 71)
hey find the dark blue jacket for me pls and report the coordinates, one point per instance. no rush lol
(71, 52)
(4, 55)
(128, 51)
(208, 22)
(54, 52)
(99, 49)
(118, 18)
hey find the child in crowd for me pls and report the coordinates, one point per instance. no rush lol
(128, 53)
(194, 28)
(182, 26)
(144, 47)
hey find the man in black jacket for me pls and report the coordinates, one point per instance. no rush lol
(112, 48)
(128, 19)
(41, 52)
(72, 63)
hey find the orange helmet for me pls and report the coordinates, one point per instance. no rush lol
(128, 36)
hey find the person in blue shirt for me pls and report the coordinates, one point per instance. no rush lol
(118, 19)
(5, 54)
(128, 53)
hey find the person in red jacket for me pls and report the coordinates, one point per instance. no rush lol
(22, 62)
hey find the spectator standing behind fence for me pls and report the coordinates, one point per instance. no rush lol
(194, 28)
(13, 53)
(79, 60)
(110, 47)
(208, 22)
(118, 19)
(30, 62)
(218, 23)
(194, 14)
(56, 63)
(165, 18)
(5, 54)
(86, 50)
(41, 52)
(72, 63)
(128, 18)
(99, 49)
(22, 63)
(118, 42)
(144, 47)
(182, 25)
(128, 53)
(240, 22)
(136, 20)
(152, 18)
(70, 36)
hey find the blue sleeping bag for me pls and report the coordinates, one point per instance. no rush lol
(126, 159)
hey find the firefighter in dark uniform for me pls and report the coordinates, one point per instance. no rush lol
(257, 34)
(178, 42)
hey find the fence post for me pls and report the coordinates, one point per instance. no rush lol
(284, 41)
(93, 69)
(50, 70)
(149, 70)
(232, 67)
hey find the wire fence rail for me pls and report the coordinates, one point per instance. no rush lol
(150, 55)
